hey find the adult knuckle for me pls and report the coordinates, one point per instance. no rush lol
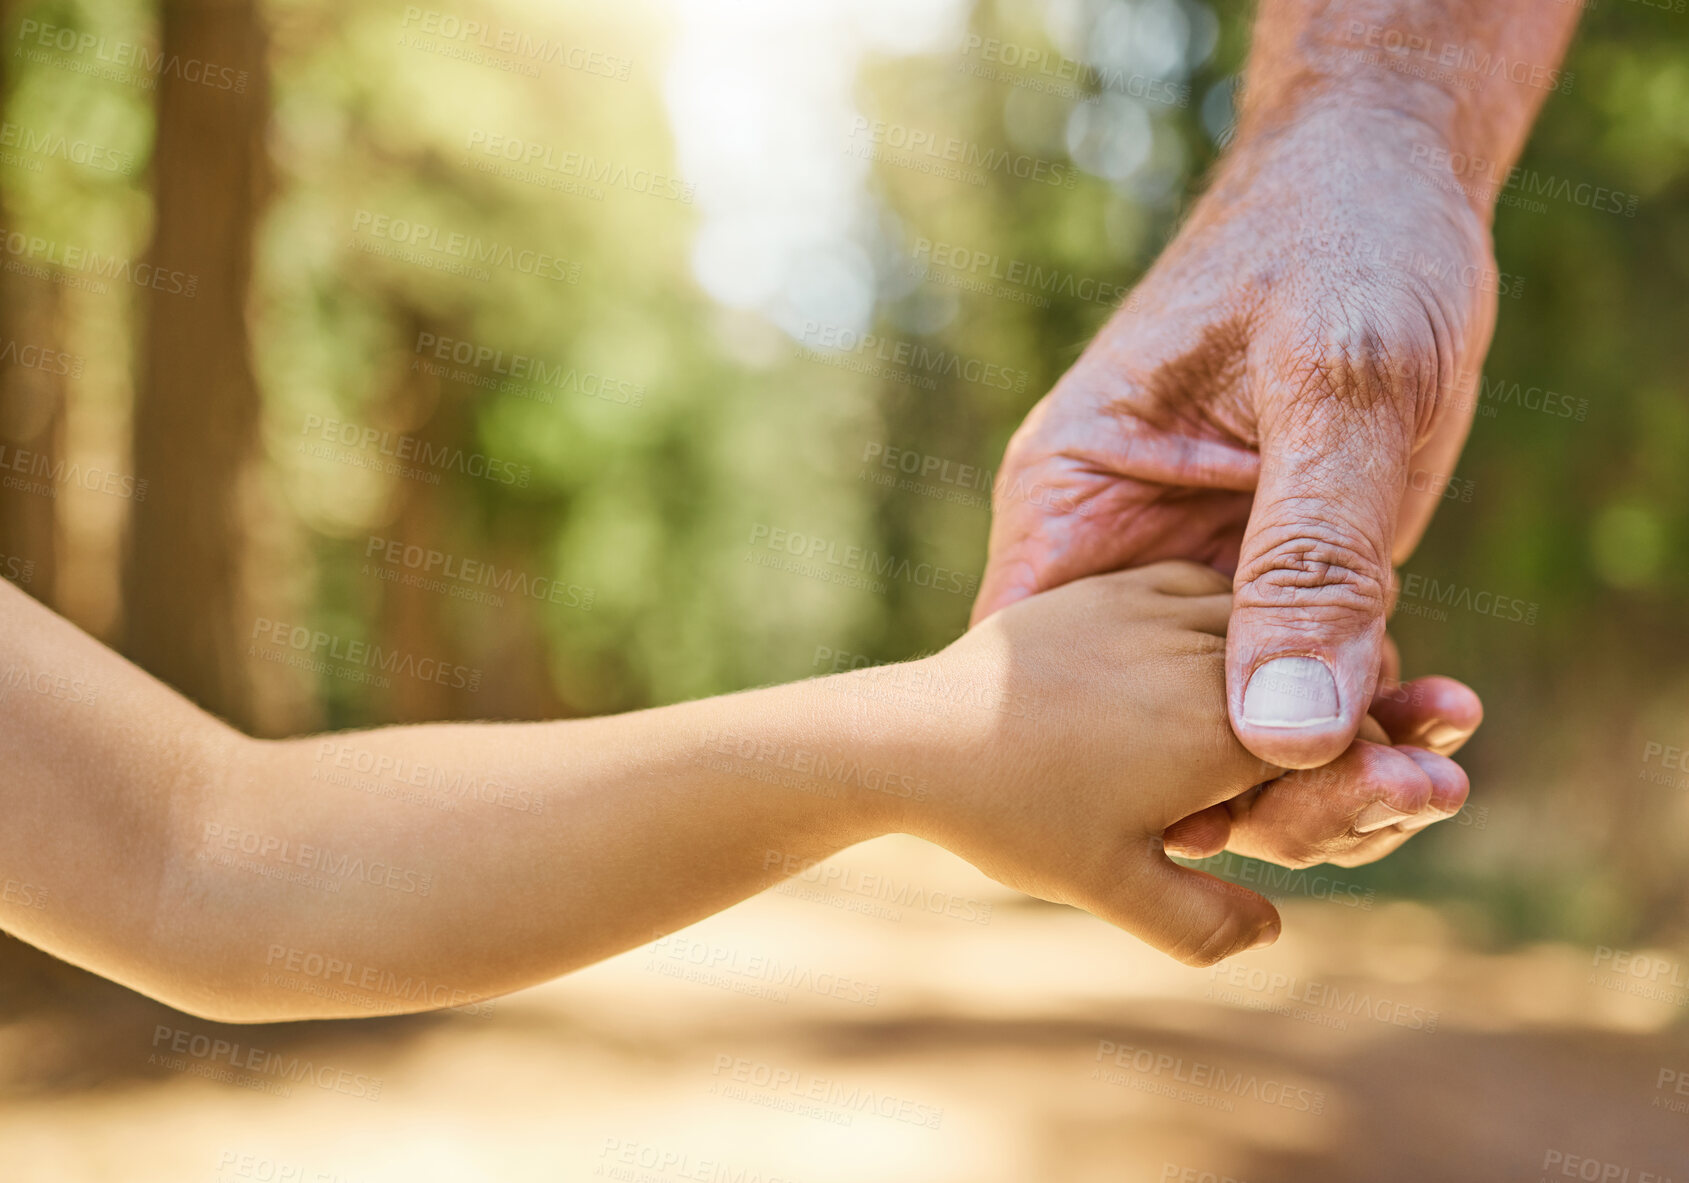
(1306, 563)
(1363, 354)
(1299, 851)
(1342, 788)
(1019, 456)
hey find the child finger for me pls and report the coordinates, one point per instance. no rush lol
(1190, 915)
(1201, 835)
(1176, 577)
(1207, 614)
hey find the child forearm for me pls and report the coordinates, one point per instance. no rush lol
(411, 867)
(496, 856)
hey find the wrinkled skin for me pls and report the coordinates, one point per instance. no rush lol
(1306, 347)
(1128, 756)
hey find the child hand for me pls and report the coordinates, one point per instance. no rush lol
(1293, 820)
(1115, 728)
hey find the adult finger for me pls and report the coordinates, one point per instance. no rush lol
(1389, 663)
(1449, 788)
(1087, 488)
(1434, 712)
(1314, 815)
(1209, 831)
(1314, 575)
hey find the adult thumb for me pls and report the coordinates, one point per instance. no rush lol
(1314, 579)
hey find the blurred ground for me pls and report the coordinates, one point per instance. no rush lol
(904, 1021)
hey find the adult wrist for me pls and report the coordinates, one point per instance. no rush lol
(1471, 78)
(1350, 137)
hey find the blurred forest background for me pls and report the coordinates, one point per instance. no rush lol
(705, 205)
(582, 299)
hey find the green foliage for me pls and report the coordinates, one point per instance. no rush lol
(738, 427)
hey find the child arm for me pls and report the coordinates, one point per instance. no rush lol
(410, 868)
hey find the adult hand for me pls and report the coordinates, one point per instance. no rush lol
(1283, 397)
(1119, 740)
(1364, 804)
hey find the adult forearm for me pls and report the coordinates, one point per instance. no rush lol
(1473, 74)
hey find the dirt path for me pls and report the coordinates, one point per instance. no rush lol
(897, 1031)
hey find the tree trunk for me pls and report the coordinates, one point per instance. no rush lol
(32, 417)
(196, 400)
(31, 401)
(499, 641)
